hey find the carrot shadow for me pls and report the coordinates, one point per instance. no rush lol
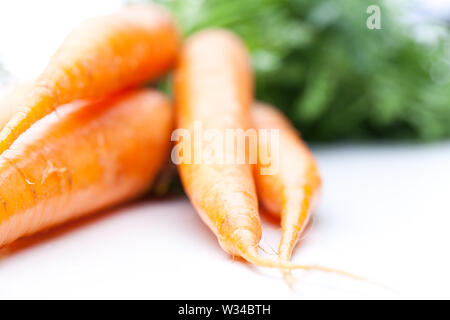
(48, 235)
(269, 218)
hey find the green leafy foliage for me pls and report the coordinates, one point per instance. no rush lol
(318, 62)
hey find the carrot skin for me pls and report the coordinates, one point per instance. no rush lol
(293, 191)
(84, 158)
(11, 97)
(213, 85)
(104, 55)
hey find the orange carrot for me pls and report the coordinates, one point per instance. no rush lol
(11, 96)
(86, 157)
(213, 85)
(102, 56)
(292, 191)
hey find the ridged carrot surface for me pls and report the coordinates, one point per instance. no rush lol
(83, 158)
(292, 192)
(103, 55)
(11, 97)
(213, 86)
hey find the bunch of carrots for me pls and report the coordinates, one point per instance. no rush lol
(84, 135)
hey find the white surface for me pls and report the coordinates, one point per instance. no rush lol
(384, 215)
(30, 31)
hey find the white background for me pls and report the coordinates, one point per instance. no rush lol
(384, 214)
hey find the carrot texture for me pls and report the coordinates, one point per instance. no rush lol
(104, 55)
(213, 87)
(86, 157)
(11, 96)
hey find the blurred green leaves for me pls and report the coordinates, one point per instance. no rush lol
(318, 62)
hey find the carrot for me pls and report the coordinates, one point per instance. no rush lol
(84, 158)
(213, 85)
(11, 96)
(102, 56)
(293, 190)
